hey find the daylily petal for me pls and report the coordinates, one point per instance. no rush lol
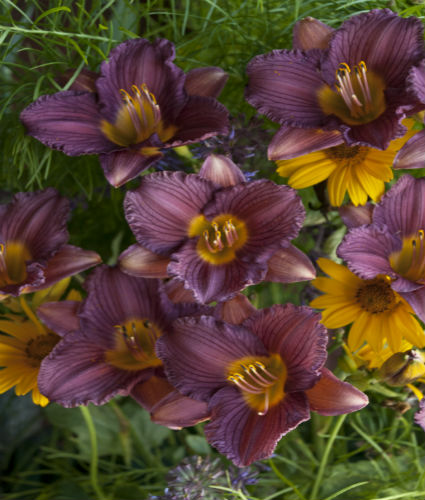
(420, 415)
(296, 334)
(221, 170)
(211, 282)
(68, 121)
(289, 265)
(272, 213)
(197, 353)
(160, 210)
(61, 317)
(141, 262)
(402, 208)
(69, 260)
(412, 154)
(291, 142)
(416, 300)
(38, 220)
(75, 373)
(310, 33)
(366, 250)
(202, 117)
(243, 436)
(138, 62)
(85, 80)
(356, 216)
(370, 37)
(207, 82)
(236, 310)
(120, 167)
(283, 86)
(331, 396)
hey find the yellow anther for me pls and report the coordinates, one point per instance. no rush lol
(421, 234)
(362, 65)
(136, 90)
(215, 226)
(260, 365)
(387, 278)
(1, 248)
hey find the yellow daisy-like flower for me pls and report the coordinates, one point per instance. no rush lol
(24, 343)
(378, 314)
(360, 170)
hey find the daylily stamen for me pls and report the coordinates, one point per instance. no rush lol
(261, 388)
(345, 88)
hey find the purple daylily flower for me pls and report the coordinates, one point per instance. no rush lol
(33, 243)
(215, 239)
(108, 345)
(142, 105)
(260, 379)
(394, 243)
(357, 86)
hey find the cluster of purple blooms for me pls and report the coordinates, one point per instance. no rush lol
(168, 325)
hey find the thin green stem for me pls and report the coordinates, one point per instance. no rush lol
(94, 459)
(286, 480)
(325, 457)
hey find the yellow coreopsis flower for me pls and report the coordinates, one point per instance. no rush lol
(377, 313)
(359, 170)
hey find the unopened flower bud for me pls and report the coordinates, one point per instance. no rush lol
(403, 367)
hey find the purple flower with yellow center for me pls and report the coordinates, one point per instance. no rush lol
(142, 105)
(33, 243)
(394, 243)
(108, 347)
(260, 379)
(356, 83)
(215, 239)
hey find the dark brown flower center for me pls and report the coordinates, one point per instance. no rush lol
(358, 97)
(376, 296)
(39, 347)
(261, 381)
(409, 262)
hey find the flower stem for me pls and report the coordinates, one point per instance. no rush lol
(94, 457)
(28, 311)
(325, 456)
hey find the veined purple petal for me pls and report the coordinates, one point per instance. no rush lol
(151, 391)
(34, 277)
(291, 142)
(289, 265)
(120, 167)
(201, 117)
(283, 85)
(273, 213)
(416, 299)
(68, 121)
(412, 154)
(197, 354)
(61, 317)
(234, 311)
(310, 33)
(85, 80)
(115, 297)
(366, 250)
(75, 374)
(243, 436)
(177, 293)
(369, 37)
(331, 396)
(296, 334)
(402, 208)
(356, 216)
(141, 262)
(416, 81)
(207, 82)
(211, 282)
(138, 62)
(37, 220)
(69, 260)
(380, 132)
(160, 210)
(221, 170)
